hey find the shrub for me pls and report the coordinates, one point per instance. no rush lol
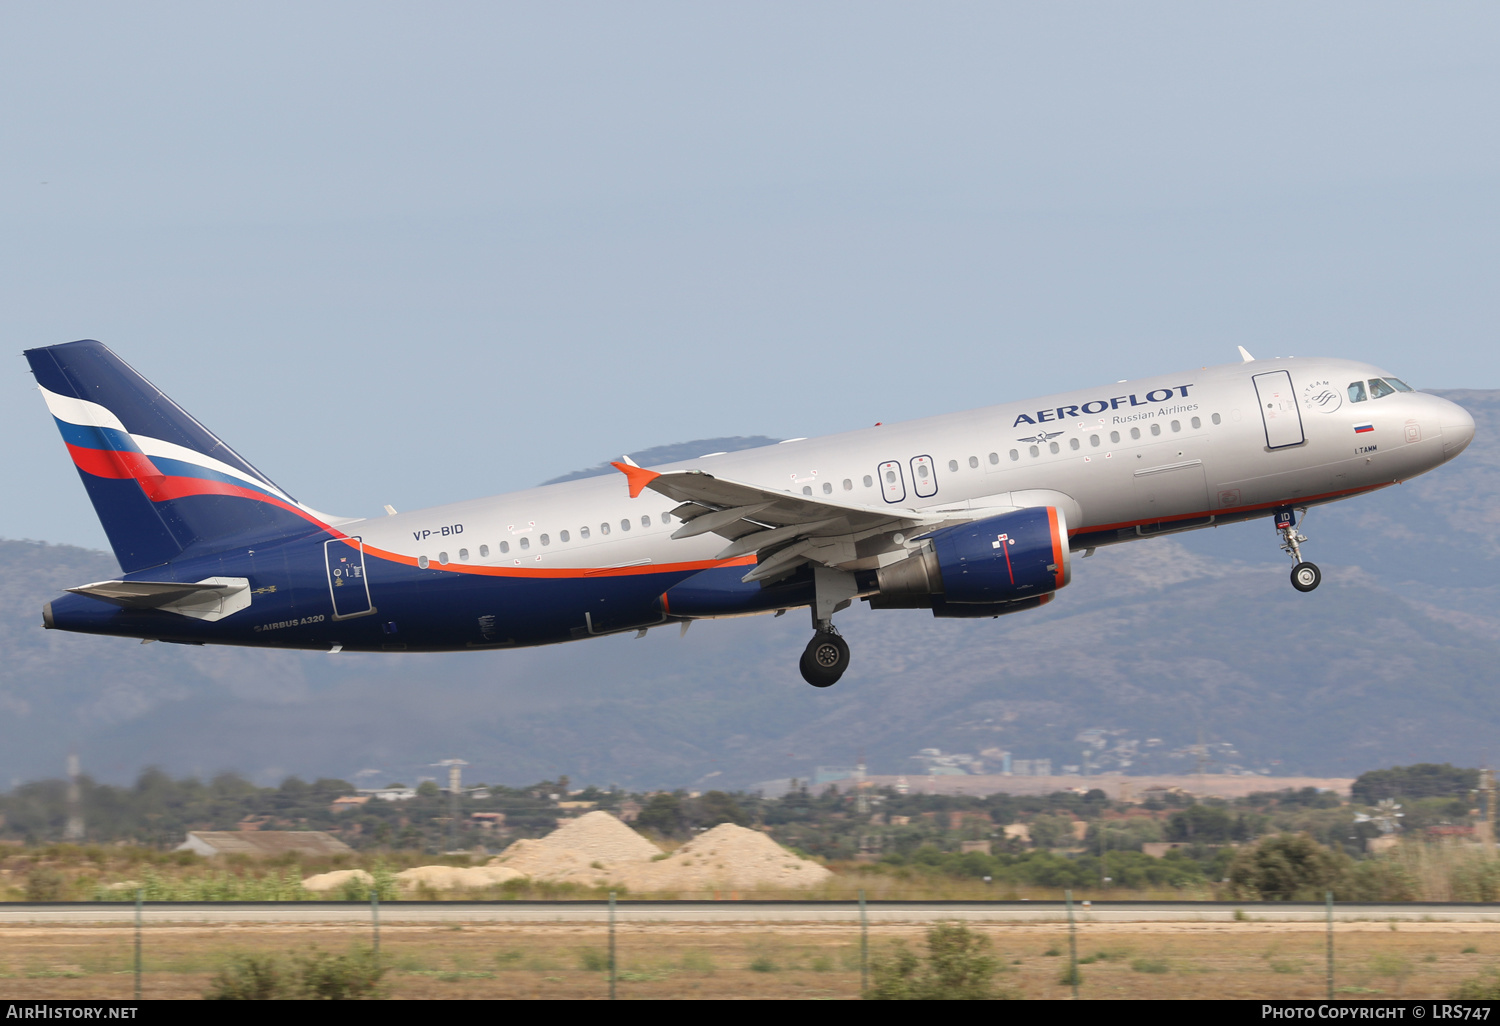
(1287, 867)
(1150, 965)
(1479, 988)
(44, 883)
(316, 975)
(592, 960)
(958, 967)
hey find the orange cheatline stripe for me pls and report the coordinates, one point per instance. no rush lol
(639, 477)
(1057, 545)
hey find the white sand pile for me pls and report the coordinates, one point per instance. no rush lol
(592, 849)
(335, 880)
(728, 857)
(454, 878)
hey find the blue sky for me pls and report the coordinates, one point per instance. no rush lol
(417, 253)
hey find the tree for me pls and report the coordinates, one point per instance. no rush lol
(716, 807)
(663, 813)
(1206, 824)
(1287, 867)
(1423, 780)
(958, 967)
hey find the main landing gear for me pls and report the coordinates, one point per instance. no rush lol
(827, 655)
(825, 659)
(1305, 576)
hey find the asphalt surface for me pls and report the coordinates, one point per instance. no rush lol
(92, 913)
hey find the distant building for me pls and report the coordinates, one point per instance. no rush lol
(391, 794)
(576, 805)
(828, 774)
(263, 843)
(629, 810)
(983, 847)
(488, 820)
(348, 803)
(1157, 849)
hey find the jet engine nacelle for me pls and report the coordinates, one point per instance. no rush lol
(988, 567)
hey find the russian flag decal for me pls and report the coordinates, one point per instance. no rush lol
(1360, 429)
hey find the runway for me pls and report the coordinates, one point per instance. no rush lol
(98, 913)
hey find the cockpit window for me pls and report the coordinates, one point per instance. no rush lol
(1399, 385)
(1357, 392)
(1379, 389)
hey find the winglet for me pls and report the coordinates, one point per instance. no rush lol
(1245, 357)
(639, 477)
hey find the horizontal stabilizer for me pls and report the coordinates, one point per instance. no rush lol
(211, 599)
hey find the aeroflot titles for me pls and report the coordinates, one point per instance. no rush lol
(1156, 395)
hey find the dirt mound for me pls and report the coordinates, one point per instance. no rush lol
(592, 849)
(454, 878)
(728, 857)
(335, 880)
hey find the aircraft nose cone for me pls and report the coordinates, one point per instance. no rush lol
(1458, 430)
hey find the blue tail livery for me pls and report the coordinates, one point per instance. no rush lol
(972, 514)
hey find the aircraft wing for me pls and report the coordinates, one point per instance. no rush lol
(782, 529)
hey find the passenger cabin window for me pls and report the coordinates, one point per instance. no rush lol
(1014, 455)
(1176, 425)
(624, 525)
(463, 555)
(1052, 447)
(1074, 443)
(583, 532)
(1215, 418)
(827, 487)
(422, 562)
(563, 537)
(645, 521)
(869, 481)
(443, 558)
(1094, 441)
(994, 458)
(666, 518)
(1357, 392)
(1156, 429)
(545, 540)
(1197, 423)
(525, 542)
(848, 485)
(484, 552)
(953, 466)
(1035, 451)
(973, 462)
(807, 489)
(1135, 432)
(1379, 389)
(604, 528)
(1114, 436)
(505, 546)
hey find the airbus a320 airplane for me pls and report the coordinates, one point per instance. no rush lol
(971, 514)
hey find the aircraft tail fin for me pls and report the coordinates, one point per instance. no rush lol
(159, 480)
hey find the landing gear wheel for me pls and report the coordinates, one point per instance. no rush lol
(825, 659)
(1306, 576)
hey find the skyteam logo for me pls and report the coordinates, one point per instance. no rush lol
(1321, 396)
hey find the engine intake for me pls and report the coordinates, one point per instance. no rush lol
(988, 567)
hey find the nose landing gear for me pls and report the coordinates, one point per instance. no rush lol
(1305, 576)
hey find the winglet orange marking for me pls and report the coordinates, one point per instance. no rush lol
(639, 477)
